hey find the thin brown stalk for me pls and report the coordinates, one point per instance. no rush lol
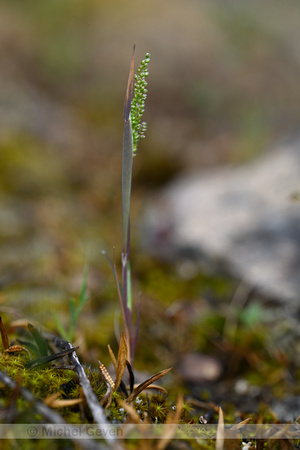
(3, 335)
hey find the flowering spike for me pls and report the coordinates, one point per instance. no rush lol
(138, 103)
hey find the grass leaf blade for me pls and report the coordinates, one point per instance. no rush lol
(127, 161)
(59, 326)
(40, 341)
(147, 383)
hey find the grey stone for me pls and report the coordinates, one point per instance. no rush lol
(245, 219)
(199, 368)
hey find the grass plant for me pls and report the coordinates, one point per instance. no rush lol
(238, 335)
(134, 130)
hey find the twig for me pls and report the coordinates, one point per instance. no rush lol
(91, 399)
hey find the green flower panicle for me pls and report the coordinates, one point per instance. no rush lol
(138, 103)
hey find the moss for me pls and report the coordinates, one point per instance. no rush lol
(45, 381)
(42, 382)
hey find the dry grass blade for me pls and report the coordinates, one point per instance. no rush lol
(3, 335)
(232, 436)
(281, 438)
(146, 384)
(240, 424)
(220, 431)
(54, 402)
(172, 419)
(131, 411)
(143, 443)
(122, 358)
(154, 387)
(113, 358)
(282, 432)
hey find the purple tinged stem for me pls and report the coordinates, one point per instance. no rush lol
(127, 161)
(129, 90)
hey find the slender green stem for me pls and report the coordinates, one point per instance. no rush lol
(133, 131)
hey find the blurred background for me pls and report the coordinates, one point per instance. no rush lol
(224, 86)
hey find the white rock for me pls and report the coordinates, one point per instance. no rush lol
(245, 218)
